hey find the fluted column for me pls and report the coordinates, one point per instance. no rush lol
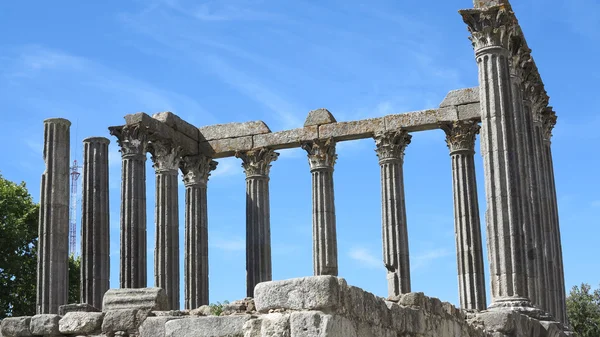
(196, 170)
(491, 29)
(257, 164)
(321, 158)
(133, 142)
(53, 230)
(166, 158)
(390, 150)
(95, 230)
(460, 137)
(549, 121)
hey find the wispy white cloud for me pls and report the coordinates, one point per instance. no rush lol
(220, 11)
(227, 167)
(427, 258)
(365, 258)
(233, 244)
(596, 203)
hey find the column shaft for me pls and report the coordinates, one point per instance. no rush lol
(133, 143)
(257, 164)
(460, 137)
(321, 158)
(390, 150)
(53, 244)
(95, 230)
(196, 170)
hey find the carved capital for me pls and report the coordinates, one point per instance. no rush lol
(490, 27)
(548, 122)
(460, 135)
(132, 139)
(196, 169)
(521, 63)
(257, 162)
(539, 99)
(321, 153)
(390, 145)
(165, 156)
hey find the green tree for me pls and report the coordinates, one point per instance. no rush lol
(583, 310)
(74, 277)
(18, 249)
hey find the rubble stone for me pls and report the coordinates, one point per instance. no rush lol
(80, 323)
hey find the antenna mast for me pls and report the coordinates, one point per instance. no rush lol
(73, 208)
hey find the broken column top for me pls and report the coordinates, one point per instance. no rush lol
(97, 140)
(319, 117)
(58, 121)
(461, 97)
(489, 3)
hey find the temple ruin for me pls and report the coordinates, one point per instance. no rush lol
(509, 110)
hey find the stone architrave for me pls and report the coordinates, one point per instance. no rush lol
(257, 164)
(166, 158)
(390, 150)
(196, 170)
(321, 158)
(460, 138)
(53, 244)
(491, 30)
(95, 222)
(133, 142)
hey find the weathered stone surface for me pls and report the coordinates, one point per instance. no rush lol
(416, 120)
(461, 97)
(135, 298)
(469, 111)
(46, 324)
(314, 323)
(127, 320)
(178, 124)
(232, 130)
(16, 326)
(76, 307)
(156, 129)
(220, 148)
(319, 117)
(212, 326)
(352, 130)
(80, 323)
(308, 293)
(201, 311)
(155, 326)
(286, 139)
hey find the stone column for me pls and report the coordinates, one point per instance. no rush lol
(321, 158)
(95, 223)
(490, 29)
(133, 142)
(53, 230)
(257, 164)
(196, 170)
(166, 158)
(460, 137)
(390, 150)
(549, 121)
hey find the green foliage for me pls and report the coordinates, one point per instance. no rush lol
(217, 308)
(74, 277)
(583, 310)
(18, 249)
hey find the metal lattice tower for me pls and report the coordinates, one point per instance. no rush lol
(73, 208)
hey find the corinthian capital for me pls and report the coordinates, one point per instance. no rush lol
(196, 169)
(490, 27)
(460, 135)
(165, 155)
(257, 162)
(390, 145)
(132, 139)
(548, 122)
(321, 153)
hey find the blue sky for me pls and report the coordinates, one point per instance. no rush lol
(230, 61)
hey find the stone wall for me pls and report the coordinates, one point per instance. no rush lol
(320, 306)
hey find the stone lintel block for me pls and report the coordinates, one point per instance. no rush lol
(178, 124)
(128, 320)
(210, 326)
(155, 326)
(352, 130)
(226, 147)
(286, 139)
(80, 323)
(160, 130)
(16, 326)
(460, 97)
(233, 130)
(420, 120)
(76, 307)
(135, 298)
(469, 111)
(319, 117)
(306, 293)
(44, 325)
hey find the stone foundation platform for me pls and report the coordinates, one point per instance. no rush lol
(320, 306)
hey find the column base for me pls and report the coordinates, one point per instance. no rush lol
(522, 305)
